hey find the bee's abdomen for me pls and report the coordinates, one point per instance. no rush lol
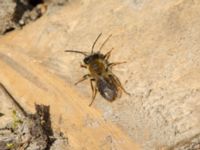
(106, 89)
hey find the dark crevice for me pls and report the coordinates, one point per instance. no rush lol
(9, 29)
(35, 2)
(20, 9)
(24, 12)
(21, 15)
(44, 113)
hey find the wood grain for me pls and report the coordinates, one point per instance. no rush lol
(30, 83)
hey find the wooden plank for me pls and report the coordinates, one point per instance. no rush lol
(84, 126)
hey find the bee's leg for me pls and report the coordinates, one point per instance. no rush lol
(107, 55)
(120, 85)
(94, 91)
(83, 78)
(116, 63)
(83, 66)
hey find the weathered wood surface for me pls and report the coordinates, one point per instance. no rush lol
(158, 39)
(83, 125)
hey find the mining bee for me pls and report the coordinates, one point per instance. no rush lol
(100, 74)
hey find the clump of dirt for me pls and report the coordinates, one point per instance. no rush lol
(14, 14)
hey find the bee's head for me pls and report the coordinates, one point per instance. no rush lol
(91, 58)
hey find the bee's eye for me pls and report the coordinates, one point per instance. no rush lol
(86, 60)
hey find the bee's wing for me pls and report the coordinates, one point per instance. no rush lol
(115, 81)
(118, 84)
(107, 87)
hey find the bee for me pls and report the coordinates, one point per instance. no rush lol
(100, 73)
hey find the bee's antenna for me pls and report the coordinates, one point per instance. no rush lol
(105, 42)
(74, 51)
(95, 42)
